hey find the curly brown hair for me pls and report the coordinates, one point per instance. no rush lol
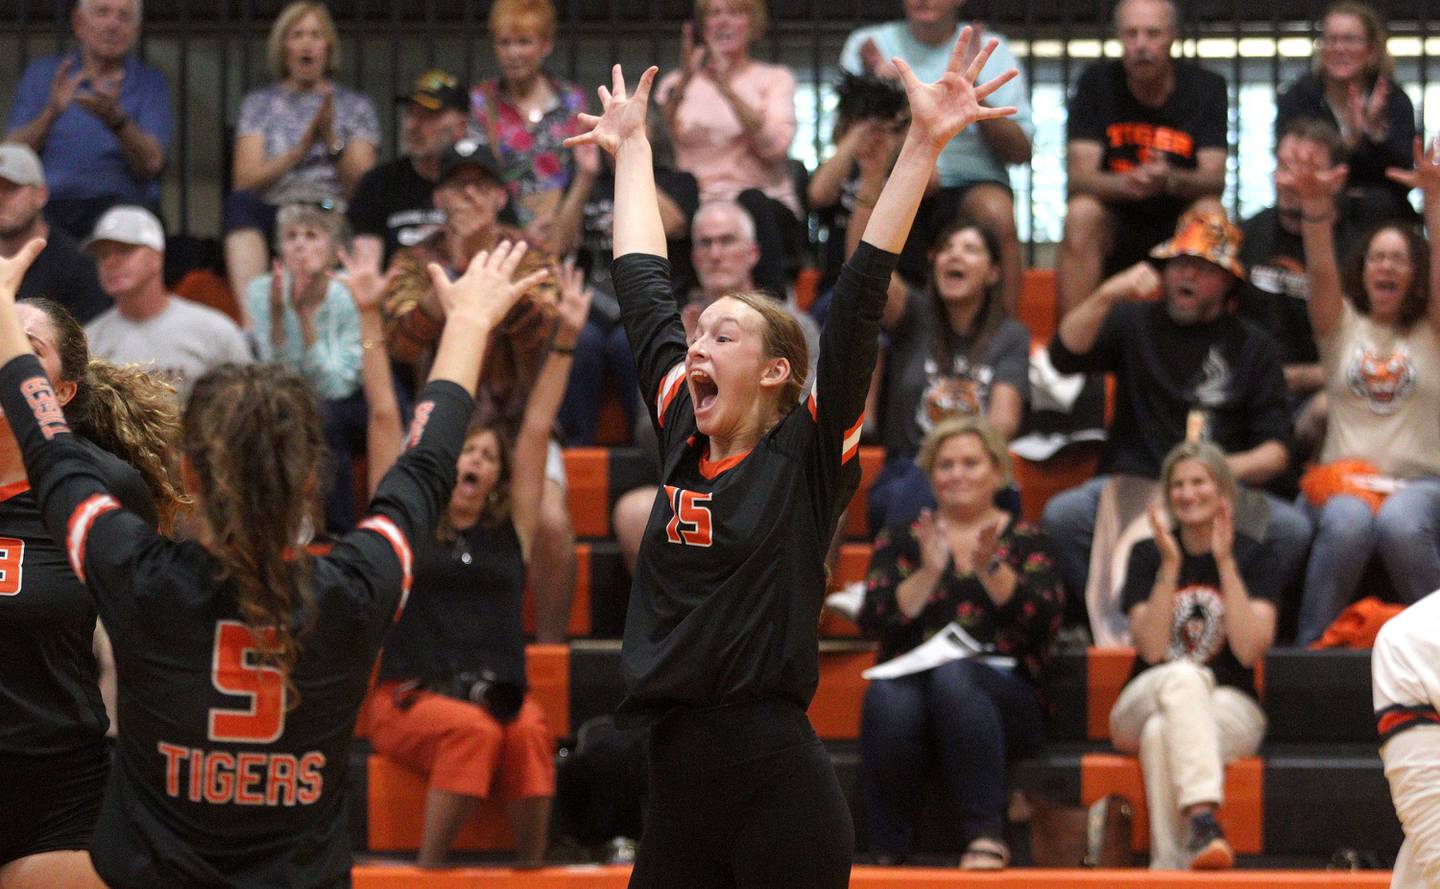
(1414, 303)
(252, 435)
(125, 410)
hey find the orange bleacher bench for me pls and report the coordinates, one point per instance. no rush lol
(390, 876)
(1242, 815)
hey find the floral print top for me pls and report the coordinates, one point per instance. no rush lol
(534, 163)
(1022, 628)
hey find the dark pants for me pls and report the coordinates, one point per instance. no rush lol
(344, 423)
(743, 796)
(599, 352)
(77, 216)
(969, 717)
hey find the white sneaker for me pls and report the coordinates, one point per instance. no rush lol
(848, 600)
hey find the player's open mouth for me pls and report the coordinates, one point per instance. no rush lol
(703, 390)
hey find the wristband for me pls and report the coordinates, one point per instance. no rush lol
(563, 350)
(119, 125)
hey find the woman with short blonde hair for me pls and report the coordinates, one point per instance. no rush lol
(302, 139)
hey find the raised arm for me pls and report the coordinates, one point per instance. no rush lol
(1304, 169)
(531, 444)
(474, 305)
(620, 130)
(1426, 177)
(384, 433)
(938, 112)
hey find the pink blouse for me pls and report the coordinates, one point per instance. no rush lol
(710, 143)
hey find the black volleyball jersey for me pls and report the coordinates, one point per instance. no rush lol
(731, 576)
(49, 692)
(221, 779)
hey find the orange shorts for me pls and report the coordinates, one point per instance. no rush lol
(459, 747)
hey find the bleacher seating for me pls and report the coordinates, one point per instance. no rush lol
(1271, 798)
(1319, 754)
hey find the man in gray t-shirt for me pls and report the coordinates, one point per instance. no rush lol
(148, 325)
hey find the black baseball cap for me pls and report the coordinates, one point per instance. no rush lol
(468, 152)
(437, 89)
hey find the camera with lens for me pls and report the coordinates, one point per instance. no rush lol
(483, 687)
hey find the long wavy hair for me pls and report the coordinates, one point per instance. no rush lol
(992, 302)
(126, 411)
(253, 437)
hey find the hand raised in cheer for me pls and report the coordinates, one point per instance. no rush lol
(622, 116)
(1426, 175)
(940, 110)
(486, 292)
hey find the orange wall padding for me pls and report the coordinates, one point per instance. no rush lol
(1242, 815)
(386, 876)
(587, 482)
(835, 711)
(1106, 670)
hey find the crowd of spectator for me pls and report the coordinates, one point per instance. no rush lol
(1274, 417)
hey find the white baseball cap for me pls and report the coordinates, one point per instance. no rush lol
(128, 225)
(20, 165)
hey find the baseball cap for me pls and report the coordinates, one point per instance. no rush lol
(128, 225)
(436, 89)
(468, 152)
(1208, 234)
(20, 165)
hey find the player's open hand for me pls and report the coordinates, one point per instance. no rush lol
(12, 270)
(364, 280)
(1426, 175)
(940, 110)
(623, 115)
(1305, 171)
(487, 291)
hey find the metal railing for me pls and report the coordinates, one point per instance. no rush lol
(213, 52)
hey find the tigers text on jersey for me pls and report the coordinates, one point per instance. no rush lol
(730, 576)
(221, 778)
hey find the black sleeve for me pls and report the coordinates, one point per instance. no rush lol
(657, 338)
(1256, 561)
(1212, 130)
(1267, 401)
(1140, 574)
(1085, 119)
(76, 504)
(364, 214)
(1104, 355)
(379, 553)
(680, 187)
(1370, 159)
(849, 345)
(896, 557)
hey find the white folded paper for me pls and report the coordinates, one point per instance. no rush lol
(950, 644)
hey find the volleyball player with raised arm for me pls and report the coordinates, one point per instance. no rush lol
(241, 660)
(721, 649)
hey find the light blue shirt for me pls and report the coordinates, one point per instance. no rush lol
(332, 363)
(968, 158)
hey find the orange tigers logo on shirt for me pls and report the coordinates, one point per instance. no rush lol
(1383, 381)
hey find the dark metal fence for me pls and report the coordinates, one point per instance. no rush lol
(213, 51)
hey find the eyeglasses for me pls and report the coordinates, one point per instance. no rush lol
(724, 242)
(1346, 40)
(1401, 260)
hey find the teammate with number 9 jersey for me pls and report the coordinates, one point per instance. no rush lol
(242, 661)
(53, 753)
